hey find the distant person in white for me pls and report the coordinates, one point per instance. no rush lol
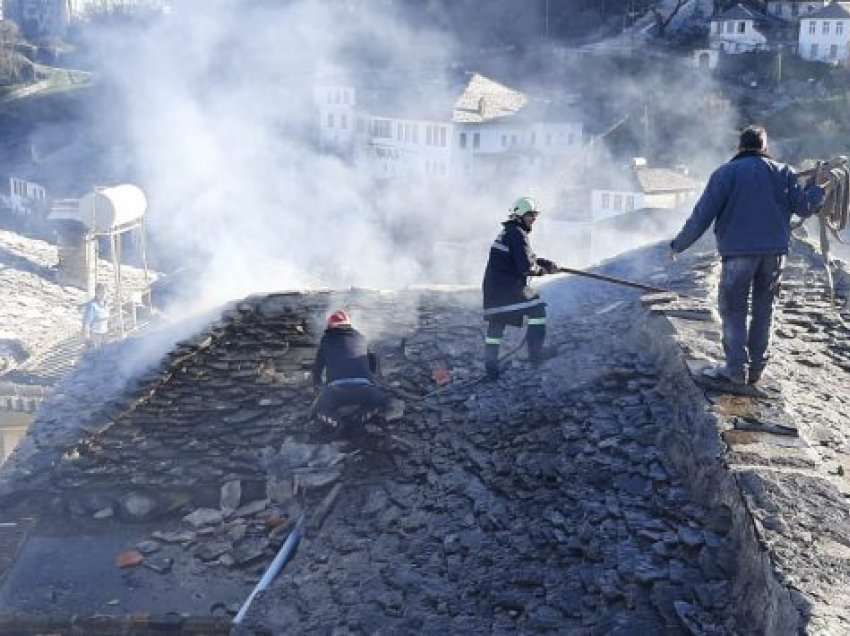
(96, 318)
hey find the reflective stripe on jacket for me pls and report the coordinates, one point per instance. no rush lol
(510, 263)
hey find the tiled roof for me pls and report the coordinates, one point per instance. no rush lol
(485, 100)
(740, 12)
(652, 180)
(834, 11)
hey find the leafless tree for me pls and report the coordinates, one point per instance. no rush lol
(663, 17)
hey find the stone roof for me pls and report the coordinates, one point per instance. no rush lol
(486, 100)
(740, 12)
(40, 318)
(833, 11)
(603, 491)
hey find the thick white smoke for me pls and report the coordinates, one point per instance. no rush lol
(223, 129)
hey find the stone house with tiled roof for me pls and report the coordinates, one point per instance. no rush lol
(464, 127)
(743, 28)
(641, 187)
(825, 34)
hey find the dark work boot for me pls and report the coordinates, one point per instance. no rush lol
(754, 375)
(491, 361)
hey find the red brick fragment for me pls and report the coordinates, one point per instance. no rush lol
(129, 559)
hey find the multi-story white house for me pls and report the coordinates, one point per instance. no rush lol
(489, 129)
(793, 10)
(825, 34)
(641, 188)
(742, 29)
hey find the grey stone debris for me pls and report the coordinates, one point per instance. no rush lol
(231, 495)
(204, 517)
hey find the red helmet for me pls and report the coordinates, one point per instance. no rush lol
(339, 318)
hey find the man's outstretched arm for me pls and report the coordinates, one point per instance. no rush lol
(710, 204)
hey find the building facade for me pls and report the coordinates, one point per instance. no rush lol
(488, 130)
(825, 34)
(642, 188)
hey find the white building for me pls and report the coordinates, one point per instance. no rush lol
(640, 188)
(793, 10)
(20, 197)
(489, 129)
(742, 30)
(825, 34)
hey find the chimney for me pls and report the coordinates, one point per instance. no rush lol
(482, 105)
(638, 162)
(77, 250)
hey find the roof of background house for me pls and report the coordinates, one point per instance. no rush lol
(41, 316)
(646, 180)
(485, 100)
(836, 10)
(740, 12)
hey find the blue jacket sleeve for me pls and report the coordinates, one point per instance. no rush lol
(709, 206)
(521, 253)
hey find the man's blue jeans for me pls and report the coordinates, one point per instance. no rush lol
(740, 275)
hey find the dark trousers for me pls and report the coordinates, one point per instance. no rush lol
(333, 397)
(743, 277)
(534, 339)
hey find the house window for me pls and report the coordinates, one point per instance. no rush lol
(330, 97)
(814, 52)
(476, 140)
(504, 141)
(795, 9)
(343, 122)
(606, 201)
(718, 28)
(382, 128)
(833, 51)
(618, 201)
(533, 138)
(443, 136)
(513, 140)
(337, 98)
(630, 203)
(462, 140)
(742, 27)
(839, 28)
(825, 28)
(330, 120)
(812, 27)
(730, 27)
(416, 133)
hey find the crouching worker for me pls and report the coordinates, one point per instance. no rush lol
(508, 299)
(349, 368)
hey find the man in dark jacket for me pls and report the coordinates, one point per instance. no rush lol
(507, 297)
(349, 367)
(750, 200)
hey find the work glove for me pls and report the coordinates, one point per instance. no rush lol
(547, 266)
(815, 197)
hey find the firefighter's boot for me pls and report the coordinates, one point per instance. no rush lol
(535, 338)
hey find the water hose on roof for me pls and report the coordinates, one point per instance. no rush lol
(282, 558)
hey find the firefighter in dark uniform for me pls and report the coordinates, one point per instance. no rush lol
(507, 297)
(349, 367)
